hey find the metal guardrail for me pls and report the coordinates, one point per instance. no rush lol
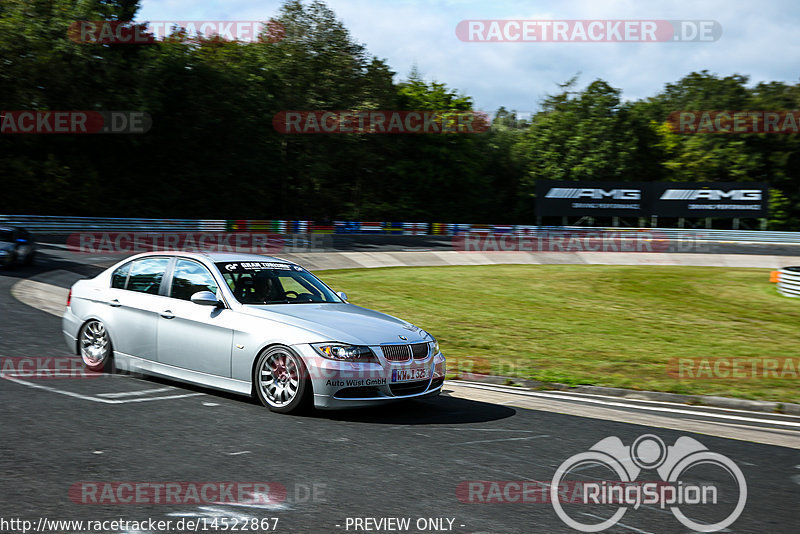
(47, 224)
(789, 281)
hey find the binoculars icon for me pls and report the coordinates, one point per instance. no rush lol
(648, 452)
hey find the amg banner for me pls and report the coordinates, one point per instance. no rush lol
(642, 199)
(710, 199)
(598, 199)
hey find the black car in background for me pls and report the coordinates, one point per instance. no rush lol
(17, 246)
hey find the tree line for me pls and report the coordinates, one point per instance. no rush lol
(212, 151)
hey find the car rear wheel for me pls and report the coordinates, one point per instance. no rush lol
(281, 382)
(95, 347)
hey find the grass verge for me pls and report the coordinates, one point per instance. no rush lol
(618, 326)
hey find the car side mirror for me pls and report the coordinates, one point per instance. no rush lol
(205, 298)
(342, 295)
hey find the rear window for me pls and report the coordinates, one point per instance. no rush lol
(146, 275)
(120, 277)
(6, 236)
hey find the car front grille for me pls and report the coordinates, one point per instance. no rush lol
(403, 353)
(396, 353)
(419, 350)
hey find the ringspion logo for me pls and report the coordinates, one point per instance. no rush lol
(672, 464)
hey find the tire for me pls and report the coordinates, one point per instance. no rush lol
(29, 259)
(94, 347)
(280, 381)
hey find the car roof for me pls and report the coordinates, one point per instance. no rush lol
(216, 257)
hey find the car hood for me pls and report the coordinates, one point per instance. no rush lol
(345, 323)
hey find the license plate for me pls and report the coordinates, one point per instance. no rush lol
(410, 374)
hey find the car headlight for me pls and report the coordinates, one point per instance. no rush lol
(345, 353)
(434, 345)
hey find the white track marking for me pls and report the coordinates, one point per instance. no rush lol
(502, 439)
(604, 402)
(489, 430)
(133, 393)
(569, 394)
(96, 399)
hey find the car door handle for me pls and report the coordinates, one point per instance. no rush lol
(167, 314)
(115, 303)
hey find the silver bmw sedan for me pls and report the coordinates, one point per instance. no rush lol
(248, 324)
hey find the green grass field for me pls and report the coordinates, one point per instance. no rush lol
(613, 326)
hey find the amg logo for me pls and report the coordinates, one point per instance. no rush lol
(616, 194)
(711, 194)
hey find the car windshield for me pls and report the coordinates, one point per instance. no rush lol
(274, 283)
(6, 236)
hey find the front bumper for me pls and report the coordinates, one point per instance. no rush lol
(70, 325)
(338, 384)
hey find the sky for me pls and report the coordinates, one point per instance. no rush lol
(759, 38)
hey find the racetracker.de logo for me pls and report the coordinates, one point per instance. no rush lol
(380, 122)
(588, 31)
(130, 32)
(733, 368)
(569, 241)
(734, 122)
(45, 368)
(74, 122)
(128, 242)
(236, 493)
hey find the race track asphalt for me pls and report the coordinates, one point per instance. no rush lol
(409, 461)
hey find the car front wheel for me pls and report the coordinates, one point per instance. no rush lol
(281, 381)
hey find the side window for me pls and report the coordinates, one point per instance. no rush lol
(146, 275)
(120, 276)
(189, 278)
